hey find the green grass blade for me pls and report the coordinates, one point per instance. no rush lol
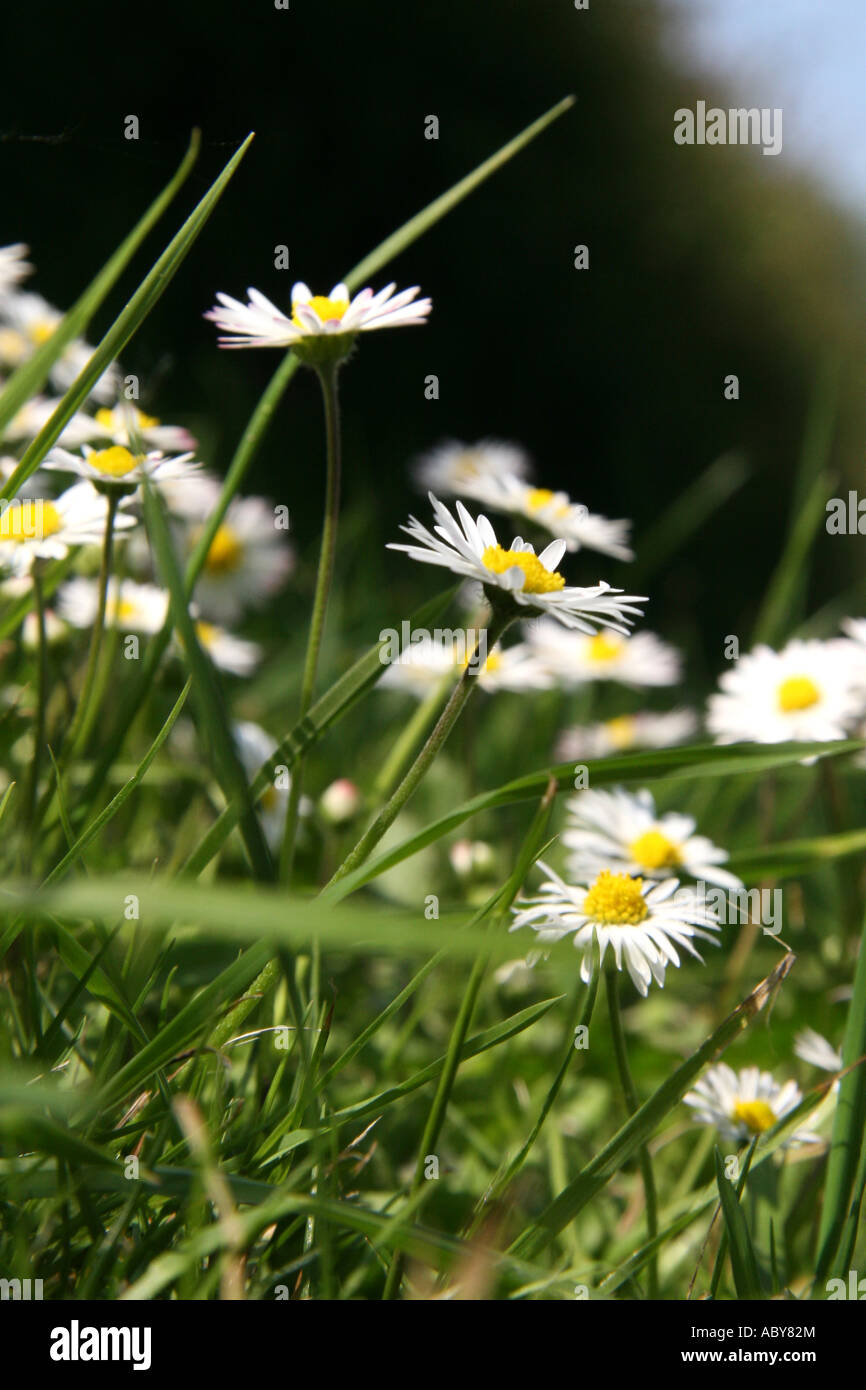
(696, 505)
(206, 690)
(744, 1264)
(29, 378)
(848, 1130)
(125, 325)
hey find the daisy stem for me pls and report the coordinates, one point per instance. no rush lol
(407, 741)
(611, 980)
(499, 621)
(41, 697)
(80, 722)
(327, 375)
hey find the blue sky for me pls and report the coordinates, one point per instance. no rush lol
(807, 56)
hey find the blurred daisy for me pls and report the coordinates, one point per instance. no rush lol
(255, 747)
(811, 1047)
(472, 859)
(35, 413)
(621, 830)
(642, 922)
(420, 667)
(14, 267)
(55, 629)
(35, 528)
(638, 660)
(192, 497)
(340, 802)
(556, 513)
(259, 323)
(126, 425)
(227, 652)
(809, 690)
(249, 560)
(469, 470)
(36, 484)
(470, 548)
(117, 464)
(130, 607)
(28, 322)
(515, 669)
(745, 1104)
(642, 730)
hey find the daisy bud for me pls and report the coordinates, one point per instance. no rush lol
(339, 803)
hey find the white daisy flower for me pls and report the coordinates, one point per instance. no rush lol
(249, 560)
(642, 922)
(13, 266)
(35, 413)
(811, 1047)
(128, 426)
(192, 497)
(129, 606)
(255, 746)
(259, 323)
(117, 464)
(55, 629)
(227, 652)
(28, 322)
(469, 470)
(420, 667)
(34, 528)
(557, 513)
(515, 669)
(808, 691)
(745, 1104)
(627, 731)
(621, 830)
(470, 548)
(641, 659)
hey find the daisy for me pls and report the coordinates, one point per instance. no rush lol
(227, 652)
(340, 802)
(811, 1047)
(249, 560)
(29, 321)
(621, 830)
(55, 629)
(531, 581)
(469, 470)
(255, 747)
(642, 922)
(35, 528)
(642, 659)
(35, 413)
(808, 691)
(745, 1104)
(420, 667)
(13, 267)
(118, 465)
(515, 669)
(259, 323)
(125, 424)
(558, 514)
(129, 606)
(642, 730)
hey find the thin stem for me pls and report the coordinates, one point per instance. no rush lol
(447, 719)
(328, 380)
(632, 1104)
(41, 697)
(81, 712)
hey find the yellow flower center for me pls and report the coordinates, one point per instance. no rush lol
(29, 521)
(268, 799)
(115, 462)
(621, 731)
(206, 633)
(601, 647)
(798, 692)
(326, 309)
(756, 1115)
(226, 552)
(616, 900)
(40, 332)
(538, 579)
(653, 850)
(538, 497)
(493, 663)
(106, 419)
(122, 610)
